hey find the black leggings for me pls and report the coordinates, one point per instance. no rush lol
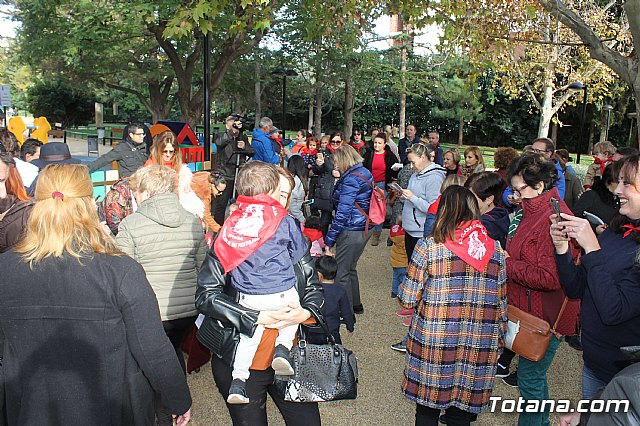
(176, 331)
(260, 384)
(410, 245)
(426, 416)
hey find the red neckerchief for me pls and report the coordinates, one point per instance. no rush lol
(602, 163)
(247, 228)
(433, 208)
(313, 234)
(307, 151)
(357, 147)
(472, 244)
(396, 231)
(331, 148)
(631, 229)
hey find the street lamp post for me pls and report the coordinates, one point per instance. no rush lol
(578, 85)
(607, 108)
(284, 73)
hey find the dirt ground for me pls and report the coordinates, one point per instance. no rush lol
(379, 398)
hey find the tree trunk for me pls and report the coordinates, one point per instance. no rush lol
(403, 94)
(310, 120)
(317, 111)
(546, 112)
(348, 106)
(592, 135)
(460, 130)
(257, 93)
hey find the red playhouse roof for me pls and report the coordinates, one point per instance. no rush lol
(184, 133)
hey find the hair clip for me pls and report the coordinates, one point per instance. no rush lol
(57, 194)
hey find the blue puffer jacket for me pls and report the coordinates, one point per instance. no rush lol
(349, 189)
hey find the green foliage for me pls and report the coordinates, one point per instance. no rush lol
(61, 103)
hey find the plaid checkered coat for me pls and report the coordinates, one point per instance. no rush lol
(455, 334)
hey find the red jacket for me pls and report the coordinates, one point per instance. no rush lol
(532, 278)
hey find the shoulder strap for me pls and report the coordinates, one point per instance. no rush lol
(3, 214)
(564, 305)
(366, 227)
(363, 178)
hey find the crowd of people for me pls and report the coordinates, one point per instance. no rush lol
(100, 298)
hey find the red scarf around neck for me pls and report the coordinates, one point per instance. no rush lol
(254, 222)
(472, 244)
(602, 163)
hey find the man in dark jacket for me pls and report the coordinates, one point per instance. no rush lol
(233, 152)
(130, 154)
(406, 142)
(434, 139)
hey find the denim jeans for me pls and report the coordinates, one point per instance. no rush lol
(398, 276)
(532, 382)
(382, 186)
(591, 385)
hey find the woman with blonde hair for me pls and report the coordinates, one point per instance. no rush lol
(165, 151)
(351, 198)
(474, 163)
(93, 350)
(15, 205)
(451, 159)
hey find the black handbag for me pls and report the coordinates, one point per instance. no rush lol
(222, 340)
(321, 372)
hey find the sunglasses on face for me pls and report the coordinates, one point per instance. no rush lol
(336, 142)
(139, 134)
(168, 151)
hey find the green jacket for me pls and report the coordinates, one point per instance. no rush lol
(169, 243)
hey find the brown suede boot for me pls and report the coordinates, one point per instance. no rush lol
(375, 237)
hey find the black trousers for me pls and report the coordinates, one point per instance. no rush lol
(176, 331)
(219, 204)
(260, 384)
(409, 245)
(426, 416)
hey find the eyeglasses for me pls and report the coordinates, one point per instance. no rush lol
(539, 151)
(518, 191)
(168, 151)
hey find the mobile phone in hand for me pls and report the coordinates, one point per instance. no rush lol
(555, 204)
(395, 187)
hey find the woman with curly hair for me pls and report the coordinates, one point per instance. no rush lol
(501, 160)
(533, 284)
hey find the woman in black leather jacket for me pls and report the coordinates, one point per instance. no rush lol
(225, 318)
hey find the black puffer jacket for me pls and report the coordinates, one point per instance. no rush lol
(218, 301)
(326, 183)
(129, 155)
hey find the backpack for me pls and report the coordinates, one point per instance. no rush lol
(377, 205)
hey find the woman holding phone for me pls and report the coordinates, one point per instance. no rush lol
(607, 281)
(533, 284)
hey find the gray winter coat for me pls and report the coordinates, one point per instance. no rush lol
(425, 187)
(169, 243)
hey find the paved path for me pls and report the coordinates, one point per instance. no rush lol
(380, 401)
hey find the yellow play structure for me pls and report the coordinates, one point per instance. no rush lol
(41, 131)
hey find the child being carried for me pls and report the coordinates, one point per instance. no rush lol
(258, 245)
